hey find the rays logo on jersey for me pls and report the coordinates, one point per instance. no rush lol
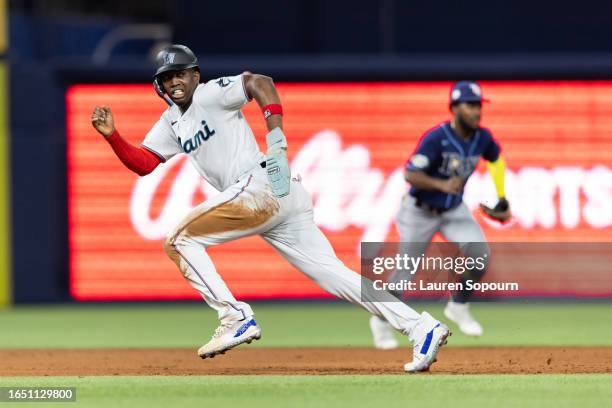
(196, 141)
(453, 165)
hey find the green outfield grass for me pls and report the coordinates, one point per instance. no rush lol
(330, 391)
(303, 324)
(289, 325)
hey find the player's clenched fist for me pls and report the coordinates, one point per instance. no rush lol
(102, 120)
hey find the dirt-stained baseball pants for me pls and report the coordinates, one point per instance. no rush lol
(249, 207)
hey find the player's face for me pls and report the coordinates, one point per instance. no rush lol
(180, 85)
(468, 114)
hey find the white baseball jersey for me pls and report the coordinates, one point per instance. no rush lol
(216, 137)
(213, 132)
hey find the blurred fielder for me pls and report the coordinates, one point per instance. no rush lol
(258, 196)
(437, 172)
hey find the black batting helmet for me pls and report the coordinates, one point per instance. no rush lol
(175, 57)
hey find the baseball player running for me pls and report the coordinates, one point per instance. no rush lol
(437, 172)
(258, 196)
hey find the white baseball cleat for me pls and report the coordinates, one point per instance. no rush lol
(230, 335)
(459, 313)
(383, 334)
(427, 337)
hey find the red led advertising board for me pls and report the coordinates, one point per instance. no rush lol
(349, 143)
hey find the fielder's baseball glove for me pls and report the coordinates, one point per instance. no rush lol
(501, 211)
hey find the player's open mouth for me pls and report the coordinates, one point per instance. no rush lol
(178, 93)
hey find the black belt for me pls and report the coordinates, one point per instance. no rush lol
(430, 208)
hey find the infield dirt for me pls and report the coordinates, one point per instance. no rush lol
(279, 361)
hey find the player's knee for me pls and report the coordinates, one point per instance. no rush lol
(479, 252)
(170, 248)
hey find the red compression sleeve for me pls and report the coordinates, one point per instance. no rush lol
(138, 159)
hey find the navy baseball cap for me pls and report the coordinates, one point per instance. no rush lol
(466, 91)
